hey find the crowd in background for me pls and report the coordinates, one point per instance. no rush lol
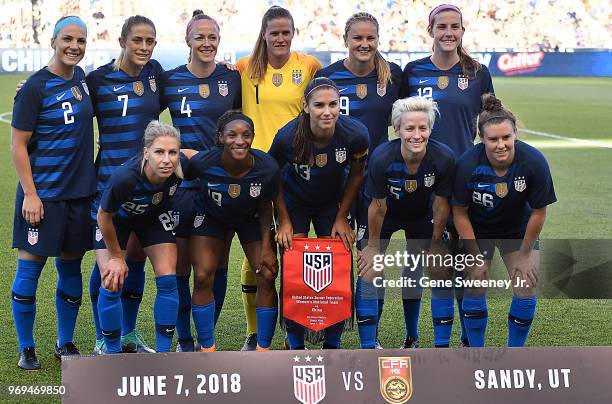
(530, 24)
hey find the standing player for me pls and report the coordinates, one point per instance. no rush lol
(125, 95)
(314, 150)
(368, 87)
(501, 190)
(456, 82)
(273, 82)
(52, 145)
(196, 95)
(239, 184)
(138, 200)
(409, 183)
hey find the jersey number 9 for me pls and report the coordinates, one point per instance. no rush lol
(344, 105)
(216, 197)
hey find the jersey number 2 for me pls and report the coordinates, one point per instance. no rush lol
(68, 117)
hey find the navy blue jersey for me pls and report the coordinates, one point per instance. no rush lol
(410, 196)
(457, 96)
(59, 114)
(365, 99)
(134, 199)
(322, 183)
(124, 107)
(196, 104)
(499, 206)
(233, 200)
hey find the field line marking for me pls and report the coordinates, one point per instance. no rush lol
(566, 138)
(529, 131)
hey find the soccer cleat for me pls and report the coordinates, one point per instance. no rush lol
(28, 359)
(378, 344)
(464, 343)
(134, 343)
(410, 342)
(68, 349)
(100, 347)
(200, 348)
(185, 345)
(250, 343)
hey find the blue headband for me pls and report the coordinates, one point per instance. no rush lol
(71, 20)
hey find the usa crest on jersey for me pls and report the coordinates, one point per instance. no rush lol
(442, 82)
(381, 89)
(296, 77)
(138, 88)
(429, 180)
(501, 189)
(362, 90)
(85, 88)
(32, 235)
(176, 218)
(309, 383)
(255, 190)
(76, 93)
(318, 270)
(152, 84)
(98, 235)
(519, 184)
(410, 185)
(462, 82)
(223, 90)
(172, 189)
(234, 190)
(341, 155)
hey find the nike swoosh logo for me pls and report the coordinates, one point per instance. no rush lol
(180, 90)
(107, 334)
(341, 89)
(213, 185)
(361, 321)
(118, 88)
(19, 299)
(139, 199)
(445, 321)
(479, 185)
(423, 81)
(466, 315)
(71, 301)
(520, 322)
(59, 97)
(169, 330)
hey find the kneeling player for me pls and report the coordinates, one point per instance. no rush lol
(501, 189)
(409, 183)
(138, 199)
(238, 185)
(315, 150)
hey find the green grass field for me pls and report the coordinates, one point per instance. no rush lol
(573, 108)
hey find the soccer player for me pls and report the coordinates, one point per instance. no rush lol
(409, 182)
(368, 87)
(273, 82)
(52, 146)
(239, 184)
(456, 82)
(138, 200)
(125, 94)
(501, 190)
(313, 152)
(196, 95)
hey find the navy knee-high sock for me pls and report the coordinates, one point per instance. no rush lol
(366, 306)
(131, 295)
(94, 292)
(442, 313)
(219, 290)
(165, 311)
(23, 301)
(183, 322)
(68, 297)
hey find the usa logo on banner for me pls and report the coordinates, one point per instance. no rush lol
(316, 283)
(309, 383)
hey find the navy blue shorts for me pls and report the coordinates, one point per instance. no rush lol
(184, 207)
(322, 218)
(65, 228)
(506, 243)
(150, 234)
(208, 226)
